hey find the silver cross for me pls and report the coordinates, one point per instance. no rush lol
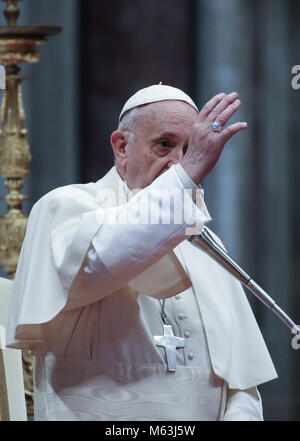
(170, 343)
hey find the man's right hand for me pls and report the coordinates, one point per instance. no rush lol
(205, 145)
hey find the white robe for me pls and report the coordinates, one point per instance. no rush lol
(85, 301)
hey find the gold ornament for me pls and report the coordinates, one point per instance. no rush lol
(17, 46)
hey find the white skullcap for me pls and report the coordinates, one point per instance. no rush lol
(152, 94)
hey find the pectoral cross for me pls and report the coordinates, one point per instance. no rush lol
(170, 343)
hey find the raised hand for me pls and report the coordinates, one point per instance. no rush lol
(205, 144)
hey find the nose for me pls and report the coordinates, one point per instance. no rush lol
(176, 156)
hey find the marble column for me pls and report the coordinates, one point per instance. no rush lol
(246, 47)
(127, 45)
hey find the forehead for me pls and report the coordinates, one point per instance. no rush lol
(167, 114)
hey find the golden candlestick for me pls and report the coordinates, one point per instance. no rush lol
(17, 46)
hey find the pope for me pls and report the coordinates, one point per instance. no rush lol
(125, 318)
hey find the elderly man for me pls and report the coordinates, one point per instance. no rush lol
(126, 319)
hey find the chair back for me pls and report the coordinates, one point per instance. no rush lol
(12, 394)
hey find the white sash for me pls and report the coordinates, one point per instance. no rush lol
(72, 390)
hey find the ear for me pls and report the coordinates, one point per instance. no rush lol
(119, 142)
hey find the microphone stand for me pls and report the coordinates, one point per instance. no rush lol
(207, 243)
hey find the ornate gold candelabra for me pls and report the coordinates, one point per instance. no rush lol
(17, 46)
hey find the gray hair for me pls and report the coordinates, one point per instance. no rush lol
(129, 121)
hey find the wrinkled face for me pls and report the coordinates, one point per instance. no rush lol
(161, 138)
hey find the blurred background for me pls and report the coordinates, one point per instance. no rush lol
(110, 49)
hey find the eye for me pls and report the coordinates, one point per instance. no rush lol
(162, 147)
(164, 143)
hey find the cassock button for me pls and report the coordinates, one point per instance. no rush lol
(187, 334)
(181, 316)
(191, 355)
(178, 297)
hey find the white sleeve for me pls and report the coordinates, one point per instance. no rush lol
(185, 179)
(140, 232)
(243, 405)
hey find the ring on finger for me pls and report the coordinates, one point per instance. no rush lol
(216, 127)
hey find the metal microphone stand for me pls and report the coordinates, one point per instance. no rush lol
(207, 243)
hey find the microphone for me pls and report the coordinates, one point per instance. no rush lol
(207, 243)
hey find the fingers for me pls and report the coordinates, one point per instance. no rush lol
(231, 130)
(223, 117)
(221, 106)
(210, 105)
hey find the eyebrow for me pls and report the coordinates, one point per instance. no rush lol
(165, 135)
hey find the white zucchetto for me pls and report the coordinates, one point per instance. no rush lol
(152, 94)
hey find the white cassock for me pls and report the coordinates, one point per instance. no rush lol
(86, 301)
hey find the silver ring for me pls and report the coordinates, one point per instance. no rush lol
(216, 127)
